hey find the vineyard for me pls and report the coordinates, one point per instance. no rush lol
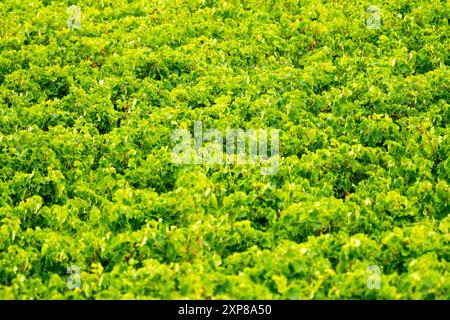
(93, 206)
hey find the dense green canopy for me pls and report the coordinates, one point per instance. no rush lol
(93, 207)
